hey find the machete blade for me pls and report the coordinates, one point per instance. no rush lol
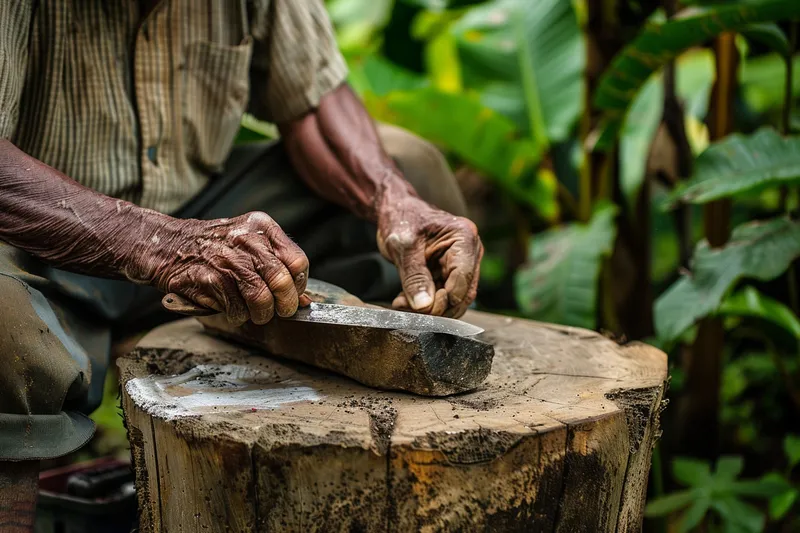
(374, 317)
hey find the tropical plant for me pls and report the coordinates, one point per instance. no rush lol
(720, 493)
(607, 134)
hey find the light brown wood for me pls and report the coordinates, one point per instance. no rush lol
(558, 438)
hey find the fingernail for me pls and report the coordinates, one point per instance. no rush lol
(422, 300)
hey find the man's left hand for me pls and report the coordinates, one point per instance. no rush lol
(437, 254)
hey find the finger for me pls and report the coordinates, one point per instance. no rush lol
(280, 283)
(271, 240)
(409, 257)
(291, 255)
(458, 310)
(304, 301)
(401, 302)
(257, 296)
(440, 303)
(459, 262)
(224, 290)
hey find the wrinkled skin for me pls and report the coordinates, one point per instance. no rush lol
(338, 153)
(437, 254)
(246, 266)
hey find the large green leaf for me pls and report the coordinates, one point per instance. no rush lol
(759, 250)
(769, 34)
(741, 164)
(375, 75)
(660, 42)
(694, 77)
(750, 302)
(559, 281)
(357, 21)
(763, 80)
(527, 60)
(483, 138)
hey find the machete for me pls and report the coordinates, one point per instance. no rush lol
(378, 347)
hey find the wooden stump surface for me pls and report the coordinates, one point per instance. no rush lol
(558, 438)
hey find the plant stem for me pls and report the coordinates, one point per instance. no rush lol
(786, 122)
(699, 406)
(570, 204)
(793, 299)
(791, 274)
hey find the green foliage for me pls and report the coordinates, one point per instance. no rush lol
(763, 80)
(661, 42)
(376, 76)
(486, 140)
(757, 250)
(694, 76)
(559, 281)
(791, 447)
(750, 302)
(743, 164)
(770, 34)
(720, 491)
(358, 21)
(253, 130)
(527, 60)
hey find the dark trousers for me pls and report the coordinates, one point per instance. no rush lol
(57, 327)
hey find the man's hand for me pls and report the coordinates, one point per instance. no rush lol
(337, 152)
(245, 267)
(437, 254)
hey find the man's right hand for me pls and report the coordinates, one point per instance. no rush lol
(245, 267)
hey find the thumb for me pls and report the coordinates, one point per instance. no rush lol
(416, 278)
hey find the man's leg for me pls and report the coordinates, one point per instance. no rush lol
(19, 490)
(53, 349)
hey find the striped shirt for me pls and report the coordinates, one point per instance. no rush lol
(146, 106)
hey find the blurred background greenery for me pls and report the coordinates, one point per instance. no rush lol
(633, 168)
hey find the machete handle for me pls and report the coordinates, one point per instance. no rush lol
(178, 304)
(317, 291)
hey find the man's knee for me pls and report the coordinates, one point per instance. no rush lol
(39, 376)
(40, 370)
(424, 167)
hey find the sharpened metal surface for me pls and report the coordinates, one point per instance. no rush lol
(345, 315)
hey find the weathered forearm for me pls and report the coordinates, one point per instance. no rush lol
(337, 152)
(68, 225)
(244, 266)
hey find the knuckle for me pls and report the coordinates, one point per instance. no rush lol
(467, 226)
(400, 241)
(281, 282)
(259, 219)
(257, 296)
(416, 280)
(298, 262)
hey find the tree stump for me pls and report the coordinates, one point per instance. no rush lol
(558, 438)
